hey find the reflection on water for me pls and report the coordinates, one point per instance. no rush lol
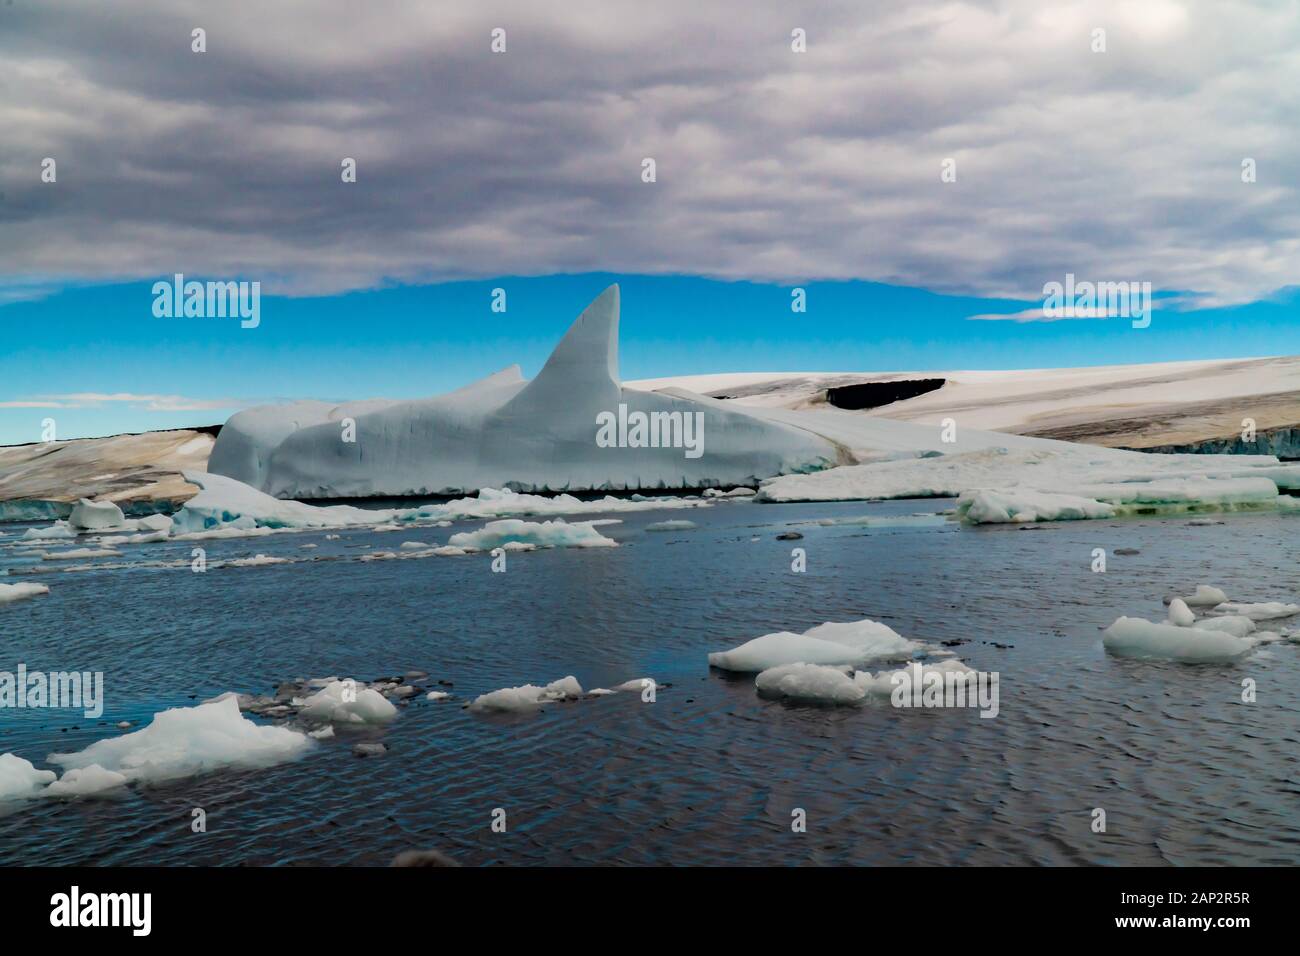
(710, 772)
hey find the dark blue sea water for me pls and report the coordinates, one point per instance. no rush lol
(709, 772)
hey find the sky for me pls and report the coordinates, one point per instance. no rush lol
(921, 169)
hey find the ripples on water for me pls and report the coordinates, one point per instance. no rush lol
(710, 772)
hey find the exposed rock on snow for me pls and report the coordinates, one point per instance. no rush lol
(854, 642)
(139, 473)
(1166, 405)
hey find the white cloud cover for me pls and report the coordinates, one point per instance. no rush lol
(1123, 165)
(150, 403)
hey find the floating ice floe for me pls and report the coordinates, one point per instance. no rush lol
(1055, 481)
(671, 526)
(347, 702)
(545, 534)
(853, 642)
(827, 684)
(810, 683)
(86, 781)
(1134, 637)
(528, 697)
(1234, 625)
(17, 592)
(20, 780)
(225, 507)
(1263, 611)
(57, 531)
(1205, 596)
(257, 561)
(184, 742)
(77, 554)
(96, 515)
(1180, 614)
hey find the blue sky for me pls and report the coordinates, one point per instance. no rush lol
(412, 341)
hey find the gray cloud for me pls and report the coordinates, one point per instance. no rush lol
(771, 165)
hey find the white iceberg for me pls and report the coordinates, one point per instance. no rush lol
(186, 741)
(1263, 611)
(1049, 480)
(1205, 596)
(85, 781)
(1180, 614)
(57, 531)
(853, 642)
(1236, 626)
(96, 515)
(544, 534)
(77, 554)
(671, 526)
(810, 683)
(1134, 637)
(17, 592)
(538, 435)
(19, 779)
(529, 697)
(884, 683)
(346, 702)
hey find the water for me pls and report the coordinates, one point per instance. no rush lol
(709, 773)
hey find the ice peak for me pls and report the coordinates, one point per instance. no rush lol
(585, 362)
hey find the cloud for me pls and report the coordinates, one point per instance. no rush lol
(1038, 315)
(772, 165)
(150, 403)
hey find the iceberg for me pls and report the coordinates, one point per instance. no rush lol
(809, 683)
(183, 742)
(545, 534)
(1055, 481)
(19, 779)
(96, 515)
(17, 592)
(341, 702)
(1264, 611)
(85, 781)
(1134, 637)
(1180, 614)
(835, 644)
(547, 434)
(527, 698)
